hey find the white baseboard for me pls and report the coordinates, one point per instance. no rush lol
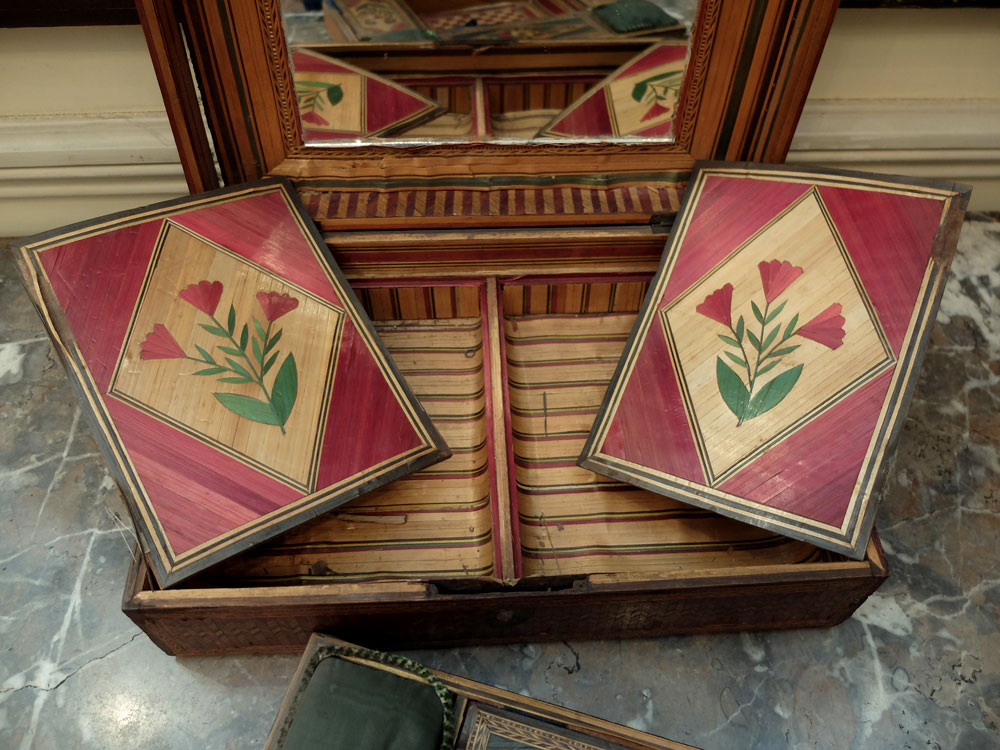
(957, 139)
(97, 140)
(59, 169)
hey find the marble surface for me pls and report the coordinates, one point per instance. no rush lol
(918, 666)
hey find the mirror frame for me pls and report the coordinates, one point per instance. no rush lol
(748, 74)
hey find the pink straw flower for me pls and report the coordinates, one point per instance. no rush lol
(827, 328)
(314, 119)
(719, 306)
(275, 305)
(160, 344)
(776, 277)
(655, 111)
(204, 295)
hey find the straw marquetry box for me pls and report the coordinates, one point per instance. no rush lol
(505, 274)
(509, 338)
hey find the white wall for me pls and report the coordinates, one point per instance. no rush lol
(82, 127)
(83, 131)
(912, 92)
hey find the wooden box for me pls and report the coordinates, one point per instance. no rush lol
(510, 353)
(514, 272)
(345, 696)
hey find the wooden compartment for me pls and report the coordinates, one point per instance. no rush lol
(507, 540)
(492, 214)
(438, 523)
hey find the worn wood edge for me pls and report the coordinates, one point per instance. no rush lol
(496, 236)
(468, 269)
(138, 596)
(876, 558)
(160, 621)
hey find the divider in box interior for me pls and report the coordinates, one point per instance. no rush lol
(560, 345)
(458, 97)
(514, 106)
(519, 108)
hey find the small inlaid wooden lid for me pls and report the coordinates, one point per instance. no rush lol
(346, 696)
(234, 383)
(770, 368)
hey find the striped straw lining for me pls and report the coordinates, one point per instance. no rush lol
(438, 523)
(573, 521)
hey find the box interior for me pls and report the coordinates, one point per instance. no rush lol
(512, 371)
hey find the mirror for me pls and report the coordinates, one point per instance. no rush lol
(412, 72)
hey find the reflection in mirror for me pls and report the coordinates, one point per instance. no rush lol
(417, 71)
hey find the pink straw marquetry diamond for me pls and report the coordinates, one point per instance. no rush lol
(776, 277)
(827, 328)
(204, 295)
(160, 344)
(275, 305)
(719, 306)
(314, 119)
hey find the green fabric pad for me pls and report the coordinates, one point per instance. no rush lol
(627, 16)
(354, 707)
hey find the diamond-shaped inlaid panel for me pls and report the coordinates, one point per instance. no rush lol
(225, 386)
(770, 367)
(338, 101)
(638, 99)
(799, 334)
(236, 387)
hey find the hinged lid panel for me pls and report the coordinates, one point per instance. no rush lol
(771, 365)
(235, 384)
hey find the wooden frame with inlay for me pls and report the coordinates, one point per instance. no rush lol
(750, 67)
